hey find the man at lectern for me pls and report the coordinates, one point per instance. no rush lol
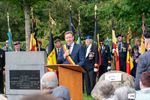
(71, 53)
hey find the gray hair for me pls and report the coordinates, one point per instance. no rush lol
(122, 92)
(106, 89)
(49, 80)
(61, 92)
(103, 89)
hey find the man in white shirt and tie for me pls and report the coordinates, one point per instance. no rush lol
(71, 53)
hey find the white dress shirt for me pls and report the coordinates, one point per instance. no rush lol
(88, 50)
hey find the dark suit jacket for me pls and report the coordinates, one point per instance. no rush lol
(91, 61)
(77, 55)
(105, 55)
(123, 54)
(58, 54)
(142, 66)
(2, 59)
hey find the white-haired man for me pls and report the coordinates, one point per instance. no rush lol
(49, 81)
(49, 85)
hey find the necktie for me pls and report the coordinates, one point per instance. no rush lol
(58, 50)
(68, 46)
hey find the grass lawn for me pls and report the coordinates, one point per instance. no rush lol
(85, 97)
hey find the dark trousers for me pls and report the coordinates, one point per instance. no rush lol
(103, 69)
(1, 83)
(90, 81)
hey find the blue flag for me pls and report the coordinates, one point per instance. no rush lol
(10, 48)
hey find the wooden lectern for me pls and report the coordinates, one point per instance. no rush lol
(70, 76)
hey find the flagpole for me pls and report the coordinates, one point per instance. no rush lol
(9, 30)
(95, 9)
(95, 30)
(143, 23)
(79, 21)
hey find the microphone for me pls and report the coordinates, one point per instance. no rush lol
(68, 46)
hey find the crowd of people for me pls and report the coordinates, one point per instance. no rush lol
(96, 60)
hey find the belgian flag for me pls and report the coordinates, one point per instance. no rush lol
(115, 48)
(33, 40)
(51, 59)
(33, 45)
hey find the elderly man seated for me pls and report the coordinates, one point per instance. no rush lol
(49, 85)
(49, 81)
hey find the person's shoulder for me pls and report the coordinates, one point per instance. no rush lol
(107, 46)
(1, 50)
(61, 92)
(146, 54)
(78, 45)
(94, 44)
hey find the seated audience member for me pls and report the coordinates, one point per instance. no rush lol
(49, 85)
(39, 97)
(103, 90)
(61, 92)
(144, 93)
(49, 81)
(126, 79)
(122, 93)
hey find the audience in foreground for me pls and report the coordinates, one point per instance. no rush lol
(39, 97)
(144, 93)
(49, 84)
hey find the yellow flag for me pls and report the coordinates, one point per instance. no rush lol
(142, 47)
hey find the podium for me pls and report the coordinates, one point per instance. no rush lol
(70, 76)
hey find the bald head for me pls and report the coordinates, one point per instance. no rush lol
(49, 80)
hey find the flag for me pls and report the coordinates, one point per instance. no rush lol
(99, 55)
(129, 62)
(33, 40)
(142, 47)
(33, 43)
(10, 47)
(96, 35)
(115, 49)
(51, 59)
(71, 25)
(96, 30)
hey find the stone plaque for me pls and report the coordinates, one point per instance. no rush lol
(24, 79)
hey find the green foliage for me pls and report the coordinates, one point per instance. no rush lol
(125, 13)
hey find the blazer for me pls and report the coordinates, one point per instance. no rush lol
(105, 55)
(90, 61)
(142, 66)
(77, 55)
